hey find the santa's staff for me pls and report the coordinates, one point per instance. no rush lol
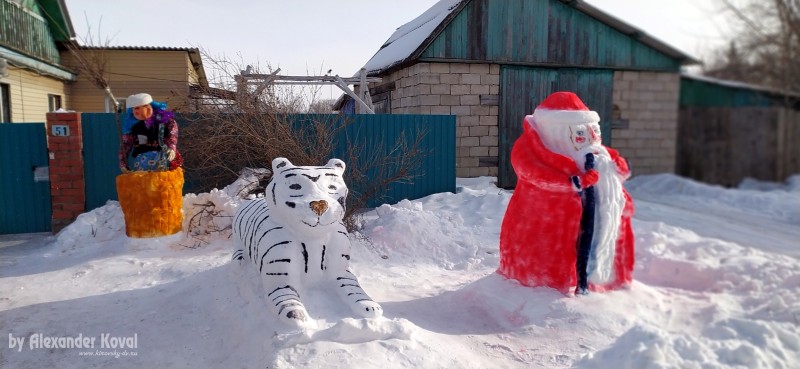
(587, 229)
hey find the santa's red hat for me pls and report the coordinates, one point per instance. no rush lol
(564, 108)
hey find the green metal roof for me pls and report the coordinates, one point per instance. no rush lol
(526, 32)
(701, 91)
(56, 14)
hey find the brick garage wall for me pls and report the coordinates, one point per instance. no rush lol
(469, 92)
(649, 103)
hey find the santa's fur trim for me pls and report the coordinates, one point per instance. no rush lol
(569, 117)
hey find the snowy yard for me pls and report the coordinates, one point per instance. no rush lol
(717, 285)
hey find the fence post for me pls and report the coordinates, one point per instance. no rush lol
(67, 184)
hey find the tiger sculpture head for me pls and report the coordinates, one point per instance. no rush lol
(307, 198)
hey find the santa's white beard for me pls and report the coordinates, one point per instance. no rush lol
(609, 204)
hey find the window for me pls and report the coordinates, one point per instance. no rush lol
(382, 103)
(53, 102)
(110, 106)
(5, 103)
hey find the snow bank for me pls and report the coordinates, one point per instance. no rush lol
(782, 205)
(698, 301)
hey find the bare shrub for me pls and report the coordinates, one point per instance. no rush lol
(253, 128)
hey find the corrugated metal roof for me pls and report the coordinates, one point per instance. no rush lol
(141, 48)
(194, 56)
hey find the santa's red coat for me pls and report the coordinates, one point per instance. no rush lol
(539, 235)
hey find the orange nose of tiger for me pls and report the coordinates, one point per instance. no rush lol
(319, 207)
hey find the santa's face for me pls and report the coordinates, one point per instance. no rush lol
(583, 135)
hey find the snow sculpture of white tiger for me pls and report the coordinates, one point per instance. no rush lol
(294, 237)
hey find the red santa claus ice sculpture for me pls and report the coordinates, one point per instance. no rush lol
(568, 223)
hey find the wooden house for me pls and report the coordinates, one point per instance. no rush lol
(490, 62)
(169, 74)
(729, 131)
(38, 72)
(32, 79)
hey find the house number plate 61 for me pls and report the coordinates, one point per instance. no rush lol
(60, 130)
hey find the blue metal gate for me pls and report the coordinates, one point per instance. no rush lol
(24, 191)
(375, 134)
(100, 164)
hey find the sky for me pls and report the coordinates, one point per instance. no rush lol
(312, 36)
(715, 287)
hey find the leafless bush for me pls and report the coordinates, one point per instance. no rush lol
(252, 129)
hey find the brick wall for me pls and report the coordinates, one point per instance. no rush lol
(649, 103)
(460, 89)
(67, 185)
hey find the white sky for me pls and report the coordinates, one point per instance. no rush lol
(312, 36)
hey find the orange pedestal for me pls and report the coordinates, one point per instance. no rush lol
(152, 202)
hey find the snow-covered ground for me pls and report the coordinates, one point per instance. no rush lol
(717, 285)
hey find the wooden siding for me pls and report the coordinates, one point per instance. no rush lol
(163, 74)
(723, 145)
(28, 94)
(728, 133)
(541, 33)
(523, 88)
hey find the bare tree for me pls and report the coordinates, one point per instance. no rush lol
(766, 46)
(91, 63)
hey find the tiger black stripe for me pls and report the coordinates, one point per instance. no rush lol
(276, 273)
(257, 228)
(256, 245)
(346, 256)
(287, 305)
(261, 238)
(340, 278)
(304, 168)
(250, 228)
(356, 293)
(351, 285)
(289, 299)
(288, 294)
(267, 252)
(280, 261)
(282, 288)
(305, 256)
(364, 300)
(243, 215)
(273, 194)
(313, 179)
(322, 263)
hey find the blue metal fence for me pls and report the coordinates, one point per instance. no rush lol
(372, 134)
